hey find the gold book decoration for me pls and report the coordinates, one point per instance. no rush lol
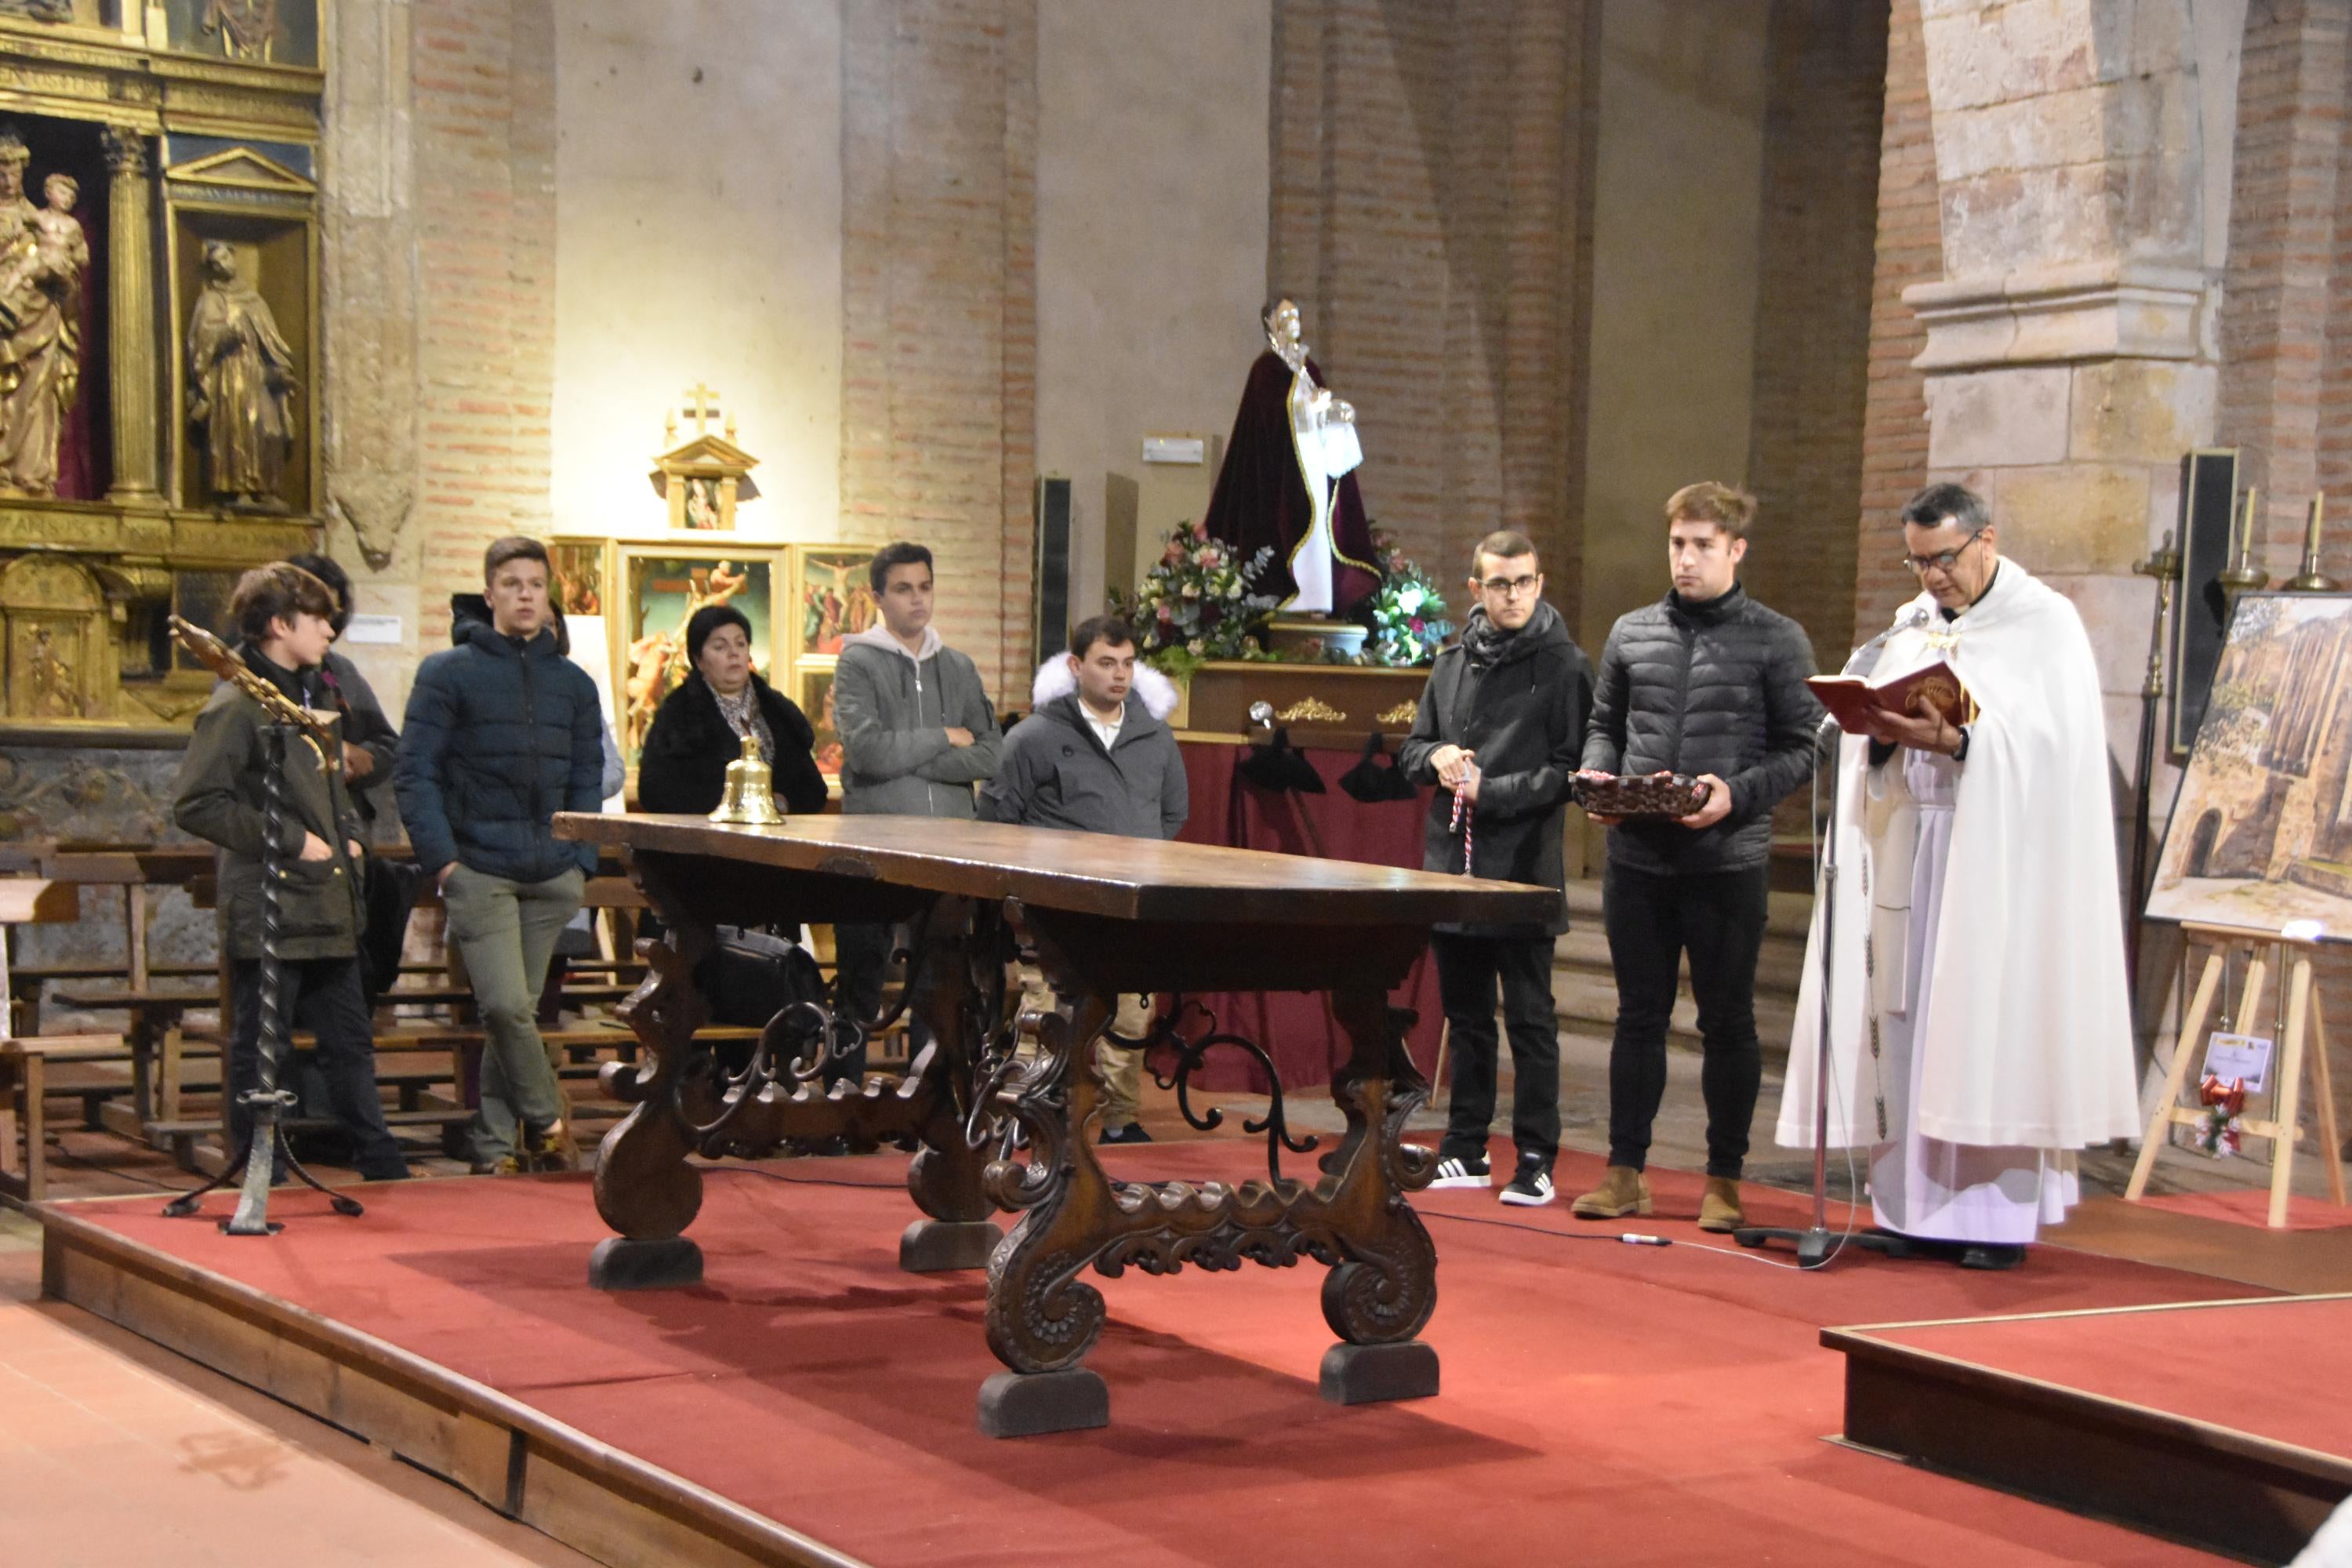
(750, 794)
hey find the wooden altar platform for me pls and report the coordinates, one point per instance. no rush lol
(2216, 1422)
(811, 1403)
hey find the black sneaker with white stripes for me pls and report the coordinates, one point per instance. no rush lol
(1464, 1171)
(1530, 1185)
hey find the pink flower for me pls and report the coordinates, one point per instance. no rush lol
(1166, 614)
(1200, 530)
(1211, 558)
(1417, 625)
(1174, 555)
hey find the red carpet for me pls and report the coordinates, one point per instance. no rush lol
(2251, 1205)
(1602, 1403)
(2197, 1362)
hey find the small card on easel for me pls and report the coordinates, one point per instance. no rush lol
(2245, 1058)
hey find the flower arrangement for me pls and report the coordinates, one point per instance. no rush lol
(1406, 612)
(1196, 605)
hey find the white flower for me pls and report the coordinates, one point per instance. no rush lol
(1409, 600)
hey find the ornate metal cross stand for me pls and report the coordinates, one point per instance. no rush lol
(264, 1144)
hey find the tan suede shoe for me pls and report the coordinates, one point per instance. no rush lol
(1623, 1191)
(1718, 1209)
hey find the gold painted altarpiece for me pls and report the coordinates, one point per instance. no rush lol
(159, 333)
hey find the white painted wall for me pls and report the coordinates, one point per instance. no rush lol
(1676, 238)
(1151, 235)
(697, 239)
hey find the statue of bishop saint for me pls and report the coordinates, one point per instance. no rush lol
(240, 388)
(1289, 480)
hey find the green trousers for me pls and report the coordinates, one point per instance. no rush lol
(506, 933)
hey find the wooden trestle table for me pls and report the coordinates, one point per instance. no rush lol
(1001, 1104)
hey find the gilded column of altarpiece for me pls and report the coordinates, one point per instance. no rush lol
(159, 347)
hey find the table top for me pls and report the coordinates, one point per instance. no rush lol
(1089, 873)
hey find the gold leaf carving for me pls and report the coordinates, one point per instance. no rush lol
(1311, 711)
(1402, 713)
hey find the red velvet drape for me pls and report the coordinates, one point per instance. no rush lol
(1296, 1027)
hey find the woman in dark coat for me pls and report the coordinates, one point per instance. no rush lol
(700, 728)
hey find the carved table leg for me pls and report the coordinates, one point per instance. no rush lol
(1383, 1286)
(944, 1178)
(1041, 1318)
(644, 1188)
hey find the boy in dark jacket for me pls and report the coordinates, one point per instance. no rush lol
(282, 614)
(1500, 725)
(1096, 756)
(503, 732)
(1710, 683)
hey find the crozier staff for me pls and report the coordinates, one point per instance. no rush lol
(1983, 932)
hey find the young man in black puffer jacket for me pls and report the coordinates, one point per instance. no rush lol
(502, 733)
(1710, 683)
(1500, 725)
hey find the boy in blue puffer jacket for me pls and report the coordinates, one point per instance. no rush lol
(502, 733)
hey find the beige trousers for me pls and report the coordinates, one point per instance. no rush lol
(1121, 1071)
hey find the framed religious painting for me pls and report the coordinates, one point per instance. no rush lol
(815, 697)
(577, 576)
(662, 585)
(834, 598)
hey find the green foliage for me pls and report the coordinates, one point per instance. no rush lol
(1406, 612)
(1196, 605)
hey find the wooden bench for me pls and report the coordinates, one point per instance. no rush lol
(23, 1079)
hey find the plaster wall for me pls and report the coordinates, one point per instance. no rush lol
(1678, 206)
(699, 221)
(1153, 170)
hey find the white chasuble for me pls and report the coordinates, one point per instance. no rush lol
(1979, 1030)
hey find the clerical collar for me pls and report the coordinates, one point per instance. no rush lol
(1972, 604)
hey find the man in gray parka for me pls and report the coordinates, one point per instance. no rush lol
(916, 734)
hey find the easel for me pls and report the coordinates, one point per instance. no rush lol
(2302, 1002)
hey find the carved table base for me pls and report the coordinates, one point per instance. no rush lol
(1043, 1317)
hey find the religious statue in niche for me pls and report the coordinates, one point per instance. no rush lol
(1289, 481)
(247, 29)
(240, 388)
(43, 254)
(55, 693)
(702, 504)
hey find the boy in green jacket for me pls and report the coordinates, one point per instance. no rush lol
(284, 615)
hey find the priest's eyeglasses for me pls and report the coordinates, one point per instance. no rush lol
(1943, 559)
(1510, 587)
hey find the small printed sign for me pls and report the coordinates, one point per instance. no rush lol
(2245, 1058)
(372, 629)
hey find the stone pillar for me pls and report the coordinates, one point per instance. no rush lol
(2070, 356)
(130, 317)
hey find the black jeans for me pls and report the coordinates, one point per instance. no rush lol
(1652, 921)
(861, 950)
(326, 996)
(1468, 969)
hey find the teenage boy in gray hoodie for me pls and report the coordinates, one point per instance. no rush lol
(1098, 756)
(917, 733)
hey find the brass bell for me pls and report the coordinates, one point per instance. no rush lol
(751, 789)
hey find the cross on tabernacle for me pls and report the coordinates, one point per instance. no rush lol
(701, 405)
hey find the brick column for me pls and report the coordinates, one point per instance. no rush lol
(131, 316)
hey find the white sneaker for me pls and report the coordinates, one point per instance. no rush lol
(1456, 1172)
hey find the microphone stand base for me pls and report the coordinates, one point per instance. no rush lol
(1818, 1245)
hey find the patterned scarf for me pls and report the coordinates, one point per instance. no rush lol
(742, 714)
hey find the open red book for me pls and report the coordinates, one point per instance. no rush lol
(1852, 701)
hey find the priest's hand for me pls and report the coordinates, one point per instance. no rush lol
(1452, 763)
(1921, 730)
(1594, 775)
(1714, 808)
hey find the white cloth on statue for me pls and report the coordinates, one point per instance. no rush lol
(2019, 1035)
(1923, 1186)
(1327, 449)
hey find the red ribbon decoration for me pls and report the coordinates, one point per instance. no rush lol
(2231, 1096)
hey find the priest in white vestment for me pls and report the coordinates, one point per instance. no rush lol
(1980, 1030)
